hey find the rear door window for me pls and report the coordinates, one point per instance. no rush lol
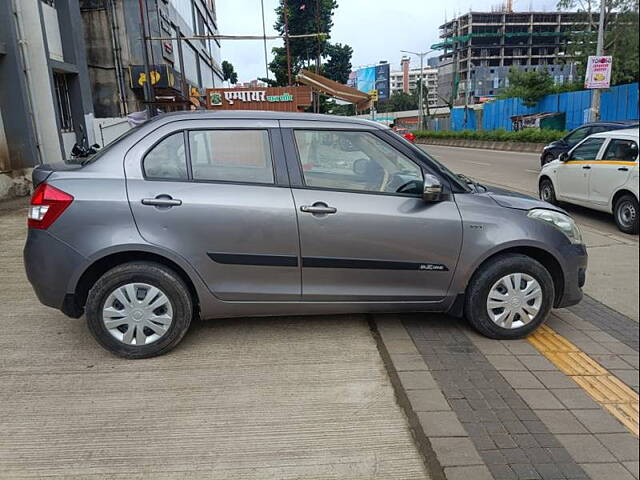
(621, 150)
(231, 156)
(167, 160)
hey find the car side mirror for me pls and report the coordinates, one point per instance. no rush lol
(564, 157)
(431, 188)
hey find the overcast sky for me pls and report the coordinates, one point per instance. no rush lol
(375, 29)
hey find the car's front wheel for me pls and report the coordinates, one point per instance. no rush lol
(547, 192)
(509, 297)
(139, 310)
(626, 214)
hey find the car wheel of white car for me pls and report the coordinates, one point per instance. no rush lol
(626, 214)
(547, 192)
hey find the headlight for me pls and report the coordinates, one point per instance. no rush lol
(562, 222)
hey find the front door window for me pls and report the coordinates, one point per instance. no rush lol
(356, 161)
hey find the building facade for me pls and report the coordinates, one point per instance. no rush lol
(479, 48)
(116, 55)
(406, 80)
(45, 97)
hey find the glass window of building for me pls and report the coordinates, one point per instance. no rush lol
(63, 101)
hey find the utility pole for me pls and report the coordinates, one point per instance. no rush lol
(286, 40)
(264, 40)
(420, 101)
(149, 96)
(595, 101)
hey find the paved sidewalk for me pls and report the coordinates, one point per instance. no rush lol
(282, 398)
(500, 409)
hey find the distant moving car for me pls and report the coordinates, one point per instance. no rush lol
(245, 213)
(575, 136)
(406, 134)
(601, 173)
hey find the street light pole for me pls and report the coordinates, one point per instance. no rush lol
(420, 101)
(595, 102)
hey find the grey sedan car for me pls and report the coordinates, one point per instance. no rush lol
(232, 214)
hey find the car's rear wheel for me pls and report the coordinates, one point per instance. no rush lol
(509, 297)
(139, 310)
(547, 192)
(626, 214)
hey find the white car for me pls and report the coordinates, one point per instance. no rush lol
(601, 172)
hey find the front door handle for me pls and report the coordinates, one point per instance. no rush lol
(318, 208)
(623, 169)
(162, 201)
(586, 167)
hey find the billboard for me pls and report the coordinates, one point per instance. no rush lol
(598, 73)
(376, 77)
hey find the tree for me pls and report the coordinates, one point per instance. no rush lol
(308, 17)
(338, 66)
(529, 86)
(620, 41)
(228, 73)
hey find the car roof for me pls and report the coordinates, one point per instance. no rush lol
(624, 132)
(612, 122)
(263, 115)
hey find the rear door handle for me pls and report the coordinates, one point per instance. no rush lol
(586, 167)
(318, 208)
(162, 201)
(623, 169)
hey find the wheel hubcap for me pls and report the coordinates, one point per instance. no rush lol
(626, 213)
(514, 300)
(137, 314)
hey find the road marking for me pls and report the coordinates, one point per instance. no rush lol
(477, 163)
(532, 171)
(606, 389)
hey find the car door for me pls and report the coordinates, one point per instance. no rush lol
(216, 193)
(612, 171)
(573, 175)
(365, 232)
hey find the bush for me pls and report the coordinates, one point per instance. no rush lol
(533, 135)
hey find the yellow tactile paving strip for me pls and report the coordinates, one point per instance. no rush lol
(618, 398)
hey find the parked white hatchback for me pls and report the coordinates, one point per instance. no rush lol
(601, 172)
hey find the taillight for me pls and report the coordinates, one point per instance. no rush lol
(47, 204)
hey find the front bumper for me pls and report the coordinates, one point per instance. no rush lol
(575, 261)
(50, 264)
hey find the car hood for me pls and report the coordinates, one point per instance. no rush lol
(518, 201)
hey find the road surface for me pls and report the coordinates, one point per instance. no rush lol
(613, 256)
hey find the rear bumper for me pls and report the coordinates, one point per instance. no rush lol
(50, 264)
(575, 275)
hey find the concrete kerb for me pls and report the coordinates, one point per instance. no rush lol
(485, 144)
(395, 331)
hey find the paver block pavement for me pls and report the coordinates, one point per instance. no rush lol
(607, 471)
(599, 421)
(585, 448)
(475, 472)
(455, 451)
(441, 424)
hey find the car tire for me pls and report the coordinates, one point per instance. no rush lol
(547, 158)
(626, 213)
(487, 282)
(109, 302)
(547, 192)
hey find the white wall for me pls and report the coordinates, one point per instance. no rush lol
(52, 27)
(39, 81)
(4, 149)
